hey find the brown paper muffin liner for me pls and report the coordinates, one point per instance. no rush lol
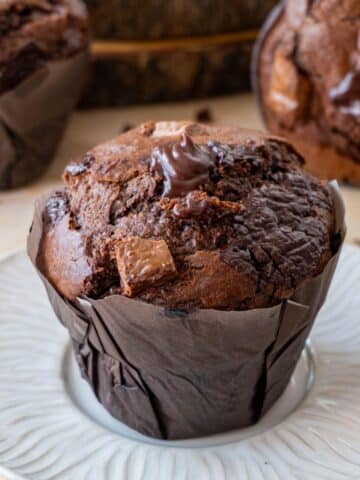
(33, 116)
(171, 374)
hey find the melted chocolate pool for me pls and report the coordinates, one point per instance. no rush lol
(183, 165)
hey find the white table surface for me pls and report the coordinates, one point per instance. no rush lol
(86, 129)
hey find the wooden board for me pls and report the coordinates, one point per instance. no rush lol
(125, 73)
(159, 19)
(164, 50)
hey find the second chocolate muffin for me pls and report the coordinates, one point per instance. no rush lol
(43, 58)
(306, 73)
(188, 216)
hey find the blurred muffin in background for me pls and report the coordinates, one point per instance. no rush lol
(43, 55)
(306, 71)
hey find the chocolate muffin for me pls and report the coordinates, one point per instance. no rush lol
(306, 71)
(188, 216)
(188, 263)
(43, 48)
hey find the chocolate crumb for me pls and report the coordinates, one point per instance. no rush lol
(204, 115)
(126, 127)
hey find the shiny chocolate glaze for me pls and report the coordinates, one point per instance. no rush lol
(183, 165)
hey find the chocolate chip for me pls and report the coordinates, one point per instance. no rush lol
(204, 115)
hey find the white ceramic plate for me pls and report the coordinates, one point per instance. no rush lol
(51, 427)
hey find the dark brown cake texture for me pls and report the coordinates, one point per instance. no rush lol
(42, 61)
(188, 263)
(306, 71)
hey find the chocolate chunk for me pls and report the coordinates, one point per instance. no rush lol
(184, 165)
(289, 90)
(143, 262)
(196, 204)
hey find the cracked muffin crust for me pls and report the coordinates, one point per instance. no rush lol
(188, 216)
(35, 31)
(306, 71)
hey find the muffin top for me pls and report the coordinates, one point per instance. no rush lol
(34, 31)
(307, 70)
(188, 216)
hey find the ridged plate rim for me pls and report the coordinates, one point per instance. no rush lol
(320, 440)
